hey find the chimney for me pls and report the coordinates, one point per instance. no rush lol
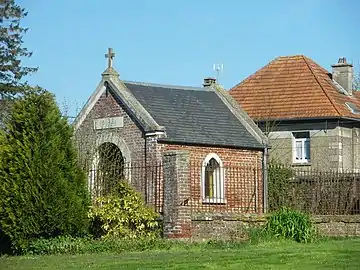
(342, 73)
(209, 82)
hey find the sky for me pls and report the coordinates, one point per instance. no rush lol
(178, 42)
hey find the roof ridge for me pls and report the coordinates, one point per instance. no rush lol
(291, 56)
(318, 82)
(265, 66)
(194, 88)
(256, 72)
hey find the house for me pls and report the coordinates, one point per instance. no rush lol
(311, 115)
(189, 147)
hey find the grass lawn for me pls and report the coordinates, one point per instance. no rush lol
(331, 254)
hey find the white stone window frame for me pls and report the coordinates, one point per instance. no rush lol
(303, 141)
(219, 196)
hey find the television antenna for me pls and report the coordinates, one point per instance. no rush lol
(218, 68)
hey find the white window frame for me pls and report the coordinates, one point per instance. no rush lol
(303, 148)
(219, 194)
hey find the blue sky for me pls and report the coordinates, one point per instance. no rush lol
(177, 42)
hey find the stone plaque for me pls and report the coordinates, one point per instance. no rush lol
(110, 122)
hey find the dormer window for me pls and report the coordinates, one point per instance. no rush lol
(352, 108)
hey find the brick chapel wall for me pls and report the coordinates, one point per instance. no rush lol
(130, 133)
(243, 175)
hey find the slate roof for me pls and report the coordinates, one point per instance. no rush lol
(192, 115)
(293, 87)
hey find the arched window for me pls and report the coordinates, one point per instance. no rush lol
(213, 180)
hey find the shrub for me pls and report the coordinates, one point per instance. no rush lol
(279, 185)
(42, 190)
(259, 235)
(290, 224)
(77, 245)
(123, 214)
(57, 245)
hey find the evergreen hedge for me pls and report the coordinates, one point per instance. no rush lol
(42, 189)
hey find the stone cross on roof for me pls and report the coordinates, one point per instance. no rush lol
(110, 55)
(110, 71)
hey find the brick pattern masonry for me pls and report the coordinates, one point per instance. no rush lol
(176, 180)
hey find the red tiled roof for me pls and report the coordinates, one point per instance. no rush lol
(292, 87)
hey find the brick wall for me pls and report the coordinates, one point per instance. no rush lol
(146, 153)
(243, 178)
(229, 156)
(86, 137)
(178, 178)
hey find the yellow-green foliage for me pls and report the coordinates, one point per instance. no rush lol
(123, 214)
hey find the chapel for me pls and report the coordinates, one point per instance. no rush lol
(128, 130)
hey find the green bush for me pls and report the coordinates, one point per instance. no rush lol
(123, 214)
(259, 235)
(279, 176)
(73, 245)
(290, 224)
(57, 245)
(42, 189)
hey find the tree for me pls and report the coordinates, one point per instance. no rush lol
(43, 191)
(356, 84)
(11, 49)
